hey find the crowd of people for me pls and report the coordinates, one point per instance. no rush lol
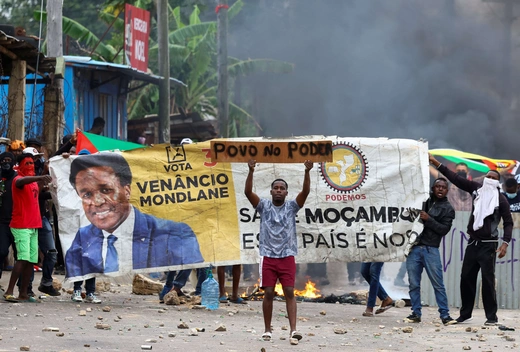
(24, 192)
(26, 217)
(489, 203)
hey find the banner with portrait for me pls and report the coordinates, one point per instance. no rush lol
(189, 210)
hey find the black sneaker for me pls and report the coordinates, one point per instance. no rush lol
(412, 318)
(59, 270)
(30, 293)
(448, 321)
(50, 290)
(461, 320)
(491, 322)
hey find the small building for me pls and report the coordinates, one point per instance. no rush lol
(193, 125)
(91, 89)
(96, 88)
(20, 62)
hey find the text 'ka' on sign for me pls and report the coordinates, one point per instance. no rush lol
(271, 152)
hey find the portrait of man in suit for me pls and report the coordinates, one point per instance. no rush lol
(120, 238)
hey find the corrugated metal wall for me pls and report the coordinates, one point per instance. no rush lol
(452, 253)
(105, 101)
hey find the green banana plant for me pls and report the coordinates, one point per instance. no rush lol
(193, 60)
(81, 34)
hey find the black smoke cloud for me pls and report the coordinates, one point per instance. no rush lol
(398, 69)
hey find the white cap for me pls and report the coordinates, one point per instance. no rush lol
(32, 151)
(186, 141)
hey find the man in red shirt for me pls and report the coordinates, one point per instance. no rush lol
(24, 225)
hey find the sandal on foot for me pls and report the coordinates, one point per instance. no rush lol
(385, 308)
(223, 299)
(267, 336)
(366, 313)
(239, 300)
(11, 298)
(296, 335)
(29, 300)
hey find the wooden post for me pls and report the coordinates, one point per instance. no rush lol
(54, 107)
(16, 101)
(222, 62)
(164, 71)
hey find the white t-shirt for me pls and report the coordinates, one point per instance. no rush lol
(278, 229)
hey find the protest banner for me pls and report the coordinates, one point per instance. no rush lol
(358, 208)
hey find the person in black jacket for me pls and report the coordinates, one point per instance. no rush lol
(437, 215)
(489, 205)
(7, 173)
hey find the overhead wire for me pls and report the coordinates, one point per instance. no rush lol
(36, 73)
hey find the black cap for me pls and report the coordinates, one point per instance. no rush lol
(33, 141)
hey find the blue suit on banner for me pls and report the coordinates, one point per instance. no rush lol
(156, 243)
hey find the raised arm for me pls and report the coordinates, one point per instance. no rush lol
(21, 182)
(248, 189)
(461, 182)
(302, 196)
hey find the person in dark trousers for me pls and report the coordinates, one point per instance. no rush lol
(221, 273)
(177, 280)
(489, 206)
(7, 163)
(45, 236)
(437, 216)
(371, 272)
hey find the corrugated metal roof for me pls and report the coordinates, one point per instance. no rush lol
(85, 61)
(26, 49)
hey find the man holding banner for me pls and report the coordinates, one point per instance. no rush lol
(278, 243)
(102, 181)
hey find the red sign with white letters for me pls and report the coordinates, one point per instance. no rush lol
(137, 32)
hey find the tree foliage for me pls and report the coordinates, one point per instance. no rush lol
(97, 28)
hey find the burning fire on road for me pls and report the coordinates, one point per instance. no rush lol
(310, 294)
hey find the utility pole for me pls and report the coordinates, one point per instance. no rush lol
(16, 100)
(54, 107)
(505, 76)
(222, 63)
(164, 71)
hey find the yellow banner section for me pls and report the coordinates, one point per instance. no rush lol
(182, 184)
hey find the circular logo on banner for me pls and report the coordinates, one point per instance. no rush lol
(348, 169)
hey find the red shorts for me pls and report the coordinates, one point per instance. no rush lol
(272, 269)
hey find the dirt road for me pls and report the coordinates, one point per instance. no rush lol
(127, 322)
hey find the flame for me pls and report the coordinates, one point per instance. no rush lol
(310, 291)
(255, 289)
(278, 289)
